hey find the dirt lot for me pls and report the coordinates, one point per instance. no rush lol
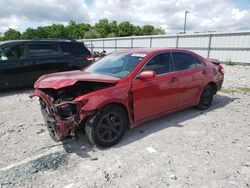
(190, 148)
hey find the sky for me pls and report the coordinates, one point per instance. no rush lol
(204, 15)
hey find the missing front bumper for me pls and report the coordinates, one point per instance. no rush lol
(58, 127)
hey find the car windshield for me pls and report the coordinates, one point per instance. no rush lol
(116, 64)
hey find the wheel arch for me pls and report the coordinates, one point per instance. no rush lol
(211, 84)
(214, 86)
(123, 107)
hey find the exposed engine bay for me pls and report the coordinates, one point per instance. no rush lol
(71, 92)
(60, 112)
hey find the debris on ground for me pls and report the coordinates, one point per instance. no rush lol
(94, 158)
(150, 149)
(25, 171)
(21, 124)
(173, 177)
(40, 131)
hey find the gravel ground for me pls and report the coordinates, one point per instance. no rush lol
(189, 148)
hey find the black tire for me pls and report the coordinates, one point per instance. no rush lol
(206, 98)
(107, 127)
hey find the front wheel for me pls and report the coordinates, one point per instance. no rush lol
(206, 98)
(107, 127)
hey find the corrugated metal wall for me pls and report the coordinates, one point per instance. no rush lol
(227, 46)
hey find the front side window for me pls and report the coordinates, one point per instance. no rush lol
(11, 52)
(40, 50)
(116, 64)
(160, 63)
(184, 61)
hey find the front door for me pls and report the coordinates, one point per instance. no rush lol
(13, 66)
(157, 95)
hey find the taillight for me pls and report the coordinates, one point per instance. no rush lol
(221, 70)
(89, 57)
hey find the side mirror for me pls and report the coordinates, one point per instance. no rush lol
(146, 75)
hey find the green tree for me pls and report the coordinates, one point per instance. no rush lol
(113, 29)
(92, 34)
(137, 30)
(1, 36)
(11, 34)
(56, 31)
(41, 32)
(159, 31)
(148, 29)
(125, 29)
(29, 33)
(82, 28)
(74, 30)
(38, 33)
(103, 27)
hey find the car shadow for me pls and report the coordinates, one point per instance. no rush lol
(172, 120)
(81, 147)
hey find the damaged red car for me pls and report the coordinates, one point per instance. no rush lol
(124, 89)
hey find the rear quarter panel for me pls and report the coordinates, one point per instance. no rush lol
(215, 75)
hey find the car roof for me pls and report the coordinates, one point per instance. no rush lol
(38, 40)
(151, 50)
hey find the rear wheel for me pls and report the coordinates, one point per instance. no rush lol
(107, 127)
(206, 98)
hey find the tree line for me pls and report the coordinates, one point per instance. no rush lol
(73, 30)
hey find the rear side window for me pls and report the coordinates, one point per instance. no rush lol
(199, 64)
(184, 61)
(40, 50)
(70, 48)
(160, 63)
(12, 52)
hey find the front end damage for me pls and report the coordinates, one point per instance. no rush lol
(61, 112)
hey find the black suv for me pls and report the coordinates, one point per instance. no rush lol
(23, 62)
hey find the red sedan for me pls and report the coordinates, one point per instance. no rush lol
(124, 89)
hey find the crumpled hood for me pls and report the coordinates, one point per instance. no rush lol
(64, 79)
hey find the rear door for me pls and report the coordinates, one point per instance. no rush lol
(44, 58)
(157, 95)
(13, 66)
(191, 77)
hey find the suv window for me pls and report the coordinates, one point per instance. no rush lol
(160, 63)
(70, 48)
(40, 50)
(184, 61)
(11, 52)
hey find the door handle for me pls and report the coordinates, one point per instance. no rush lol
(174, 79)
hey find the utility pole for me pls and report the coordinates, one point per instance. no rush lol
(185, 22)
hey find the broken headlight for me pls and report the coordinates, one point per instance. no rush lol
(66, 110)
